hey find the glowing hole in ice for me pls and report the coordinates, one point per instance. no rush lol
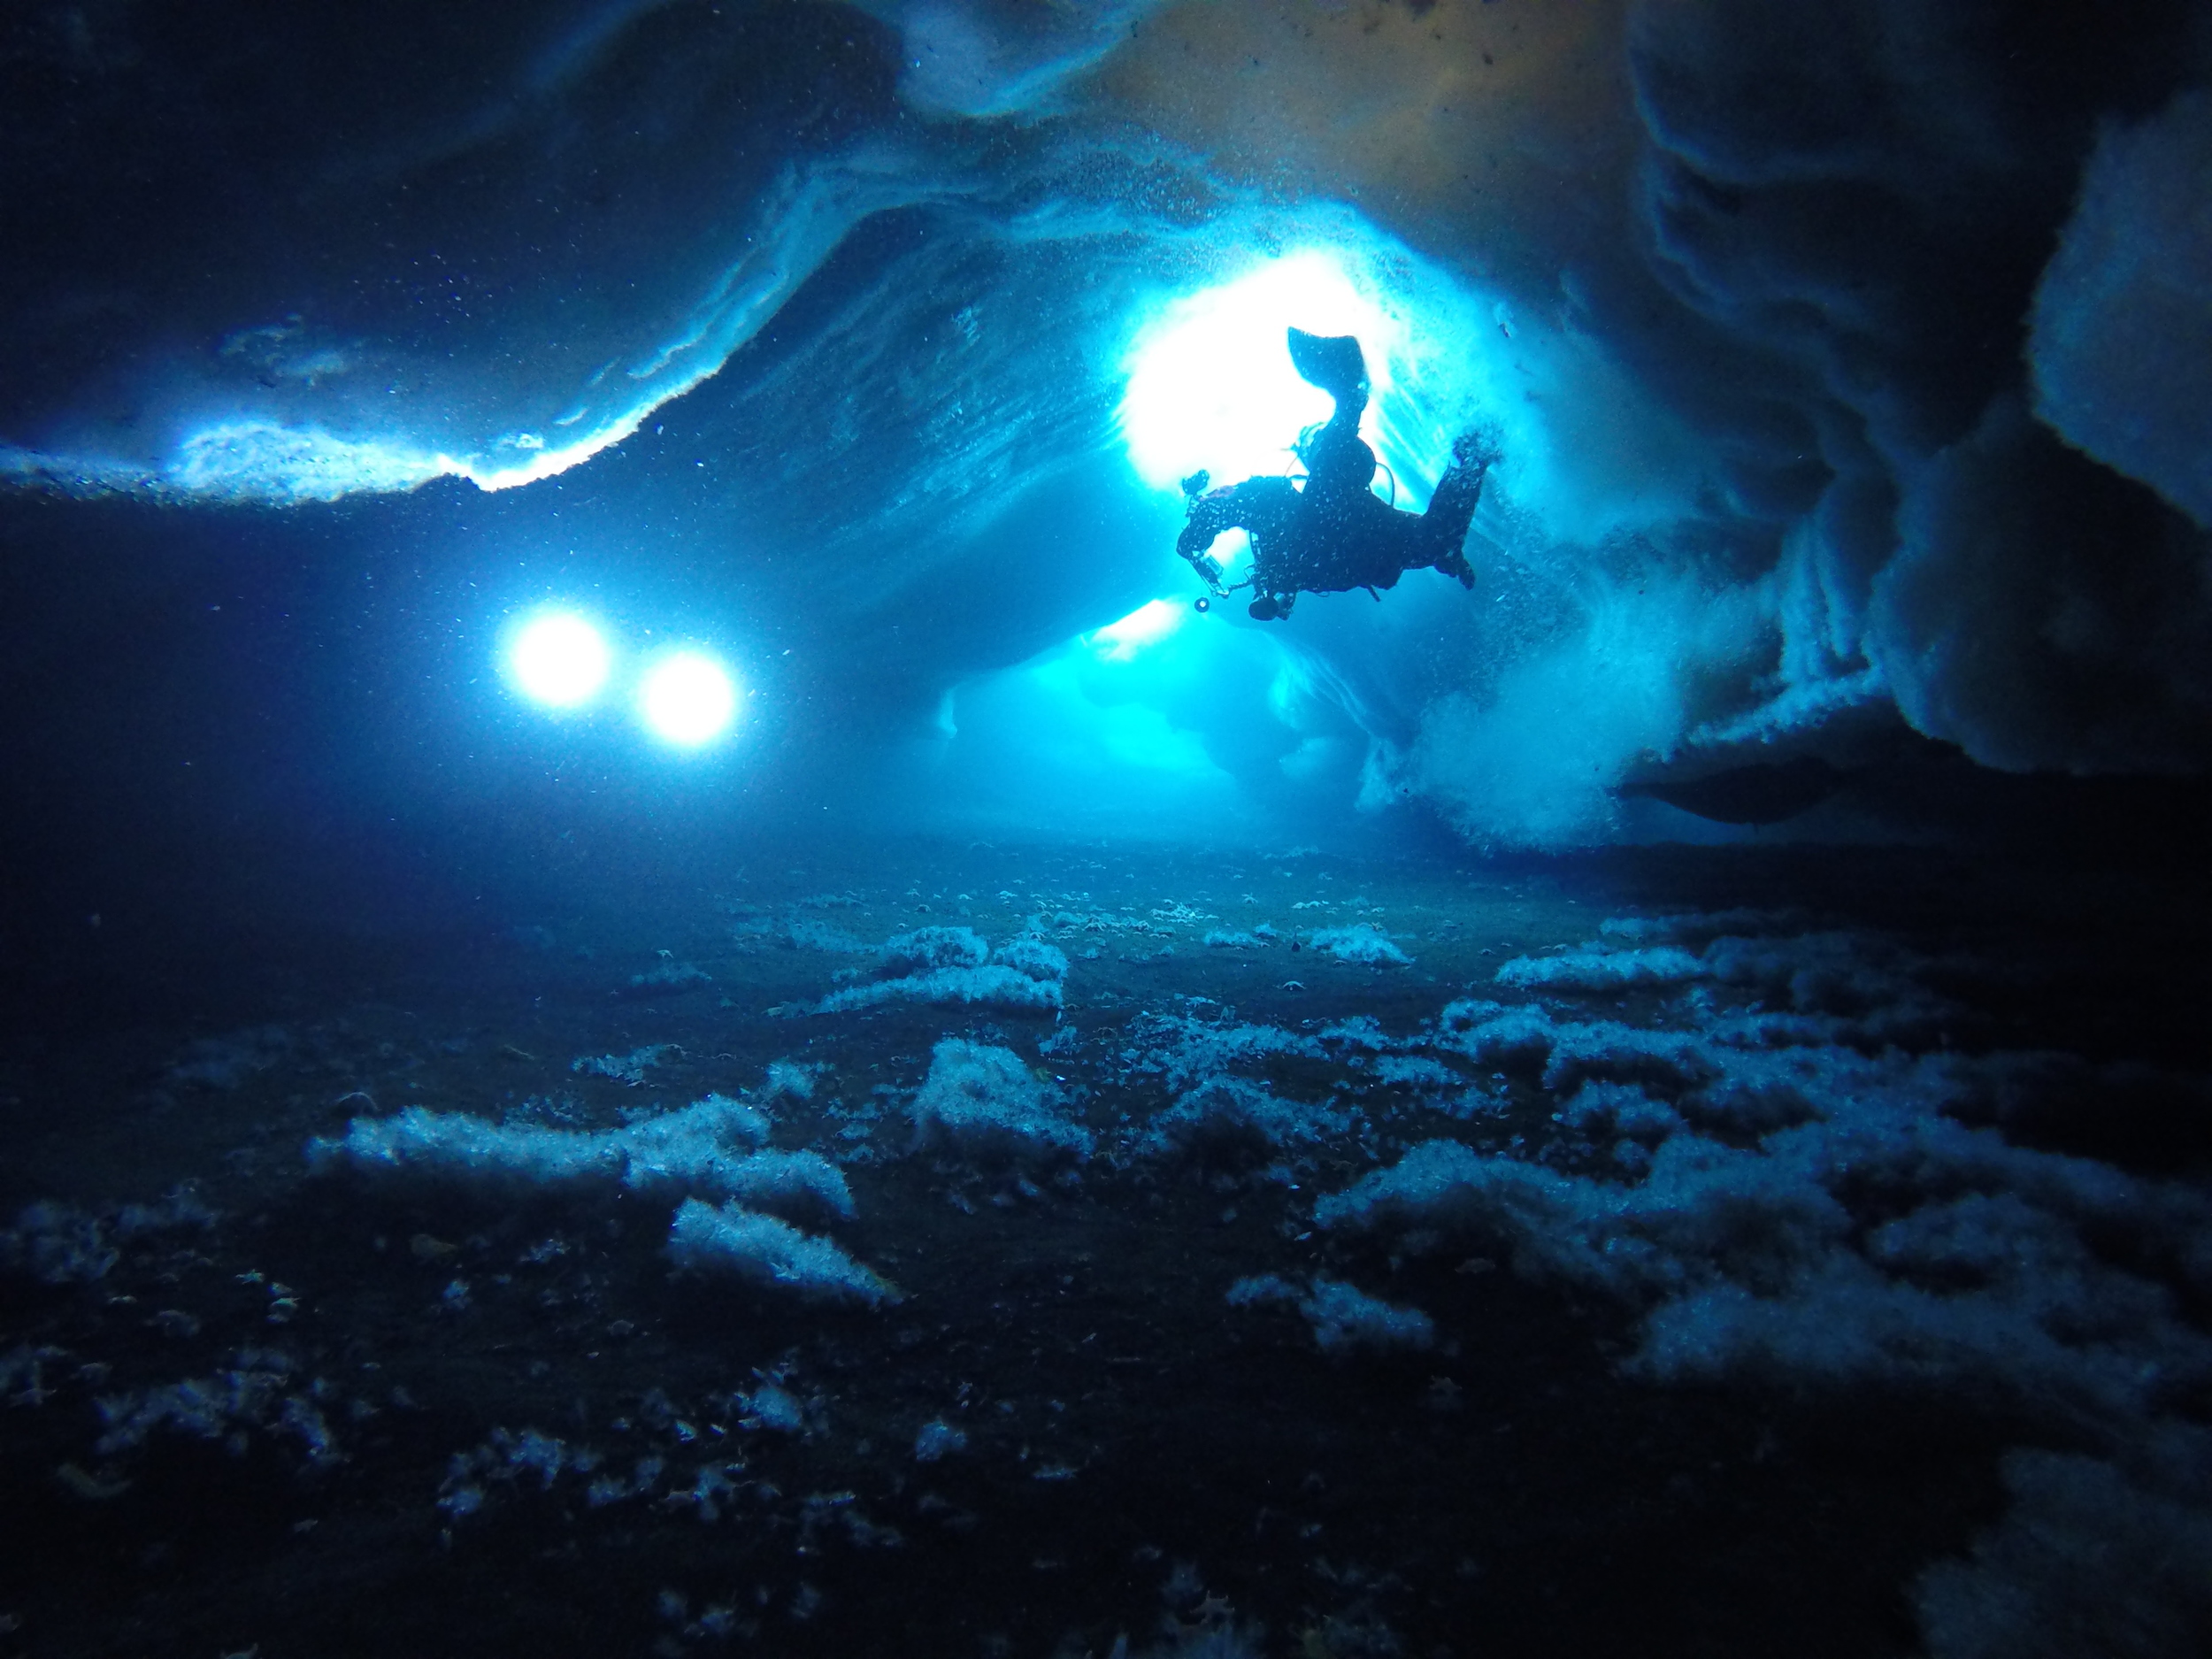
(1210, 383)
(689, 699)
(559, 660)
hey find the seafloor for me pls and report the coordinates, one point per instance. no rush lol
(427, 1410)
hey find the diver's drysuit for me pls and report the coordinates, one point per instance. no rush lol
(1336, 533)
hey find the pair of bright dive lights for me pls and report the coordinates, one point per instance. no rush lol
(560, 661)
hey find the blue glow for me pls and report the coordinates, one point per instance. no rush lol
(689, 699)
(559, 660)
(1210, 383)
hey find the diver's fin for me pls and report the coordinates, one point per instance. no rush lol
(1332, 361)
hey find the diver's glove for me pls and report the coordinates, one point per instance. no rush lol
(1479, 448)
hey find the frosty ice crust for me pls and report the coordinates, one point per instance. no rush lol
(710, 1146)
(954, 966)
(771, 1253)
(984, 1103)
(1342, 1316)
(1785, 1188)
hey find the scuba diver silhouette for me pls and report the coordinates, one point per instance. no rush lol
(1336, 533)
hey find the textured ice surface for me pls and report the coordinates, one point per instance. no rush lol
(623, 1068)
(1361, 942)
(62, 1244)
(2121, 337)
(2093, 1557)
(258, 1393)
(928, 949)
(1042, 960)
(771, 1253)
(955, 965)
(983, 1103)
(1230, 1119)
(1184, 1049)
(1860, 1234)
(938, 1439)
(1343, 1317)
(1603, 970)
(989, 986)
(1767, 1170)
(703, 1148)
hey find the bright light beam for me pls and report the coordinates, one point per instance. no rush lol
(687, 699)
(559, 660)
(1210, 383)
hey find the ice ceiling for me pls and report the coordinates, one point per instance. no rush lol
(1850, 363)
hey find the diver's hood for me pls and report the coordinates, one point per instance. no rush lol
(1332, 361)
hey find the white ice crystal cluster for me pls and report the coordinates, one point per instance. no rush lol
(258, 1395)
(735, 1240)
(1791, 1196)
(623, 1068)
(1227, 1120)
(708, 1150)
(938, 1440)
(712, 1147)
(1344, 1317)
(1361, 942)
(1602, 970)
(1184, 1050)
(955, 965)
(1227, 1113)
(62, 1244)
(983, 1103)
